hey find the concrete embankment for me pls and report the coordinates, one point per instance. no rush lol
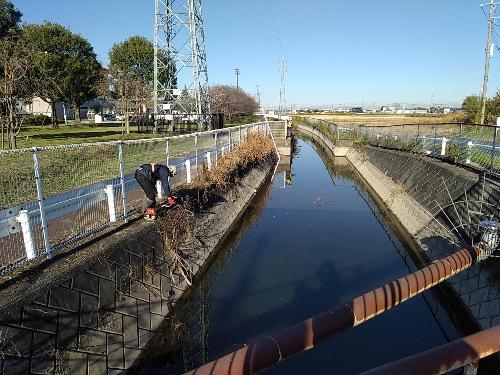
(94, 311)
(439, 206)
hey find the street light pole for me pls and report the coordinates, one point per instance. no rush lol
(237, 71)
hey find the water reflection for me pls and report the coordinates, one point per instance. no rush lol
(296, 252)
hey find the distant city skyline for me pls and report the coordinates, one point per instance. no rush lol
(341, 52)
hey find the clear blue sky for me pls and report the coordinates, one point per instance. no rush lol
(352, 52)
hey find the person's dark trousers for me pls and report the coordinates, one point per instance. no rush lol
(149, 188)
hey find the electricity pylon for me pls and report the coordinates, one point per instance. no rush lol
(180, 64)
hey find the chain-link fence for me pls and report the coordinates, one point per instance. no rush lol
(333, 131)
(471, 145)
(52, 197)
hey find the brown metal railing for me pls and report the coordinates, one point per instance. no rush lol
(270, 350)
(448, 357)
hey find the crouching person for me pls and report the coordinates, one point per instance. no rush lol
(147, 175)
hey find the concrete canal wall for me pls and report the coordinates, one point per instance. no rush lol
(93, 312)
(418, 191)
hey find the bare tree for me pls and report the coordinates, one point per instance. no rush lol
(16, 85)
(231, 101)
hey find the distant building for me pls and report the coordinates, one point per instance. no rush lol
(357, 110)
(38, 106)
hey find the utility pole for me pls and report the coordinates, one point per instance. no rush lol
(282, 106)
(237, 71)
(257, 96)
(487, 56)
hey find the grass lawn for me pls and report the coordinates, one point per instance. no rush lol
(38, 136)
(76, 133)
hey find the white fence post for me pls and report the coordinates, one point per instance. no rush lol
(239, 135)
(216, 152)
(159, 190)
(41, 203)
(209, 161)
(111, 203)
(122, 181)
(29, 244)
(188, 171)
(196, 149)
(230, 139)
(469, 152)
(443, 146)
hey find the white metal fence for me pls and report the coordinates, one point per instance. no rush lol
(52, 197)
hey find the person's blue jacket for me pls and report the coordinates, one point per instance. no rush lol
(161, 173)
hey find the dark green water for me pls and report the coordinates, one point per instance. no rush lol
(300, 250)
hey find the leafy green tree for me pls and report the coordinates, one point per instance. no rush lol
(132, 65)
(133, 57)
(68, 60)
(9, 17)
(472, 107)
(492, 110)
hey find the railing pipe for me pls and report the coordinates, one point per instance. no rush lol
(493, 149)
(445, 358)
(272, 349)
(41, 202)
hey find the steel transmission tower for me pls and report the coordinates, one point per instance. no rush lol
(282, 106)
(180, 64)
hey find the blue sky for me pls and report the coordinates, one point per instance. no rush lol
(339, 52)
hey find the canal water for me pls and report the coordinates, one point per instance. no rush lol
(314, 238)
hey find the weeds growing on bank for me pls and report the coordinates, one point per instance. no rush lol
(257, 148)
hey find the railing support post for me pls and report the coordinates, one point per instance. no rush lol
(196, 149)
(443, 146)
(493, 148)
(111, 203)
(188, 171)
(159, 190)
(230, 145)
(469, 152)
(209, 161)
(29, 244)
(239, 135)
(41, 203)
(122, 181)
(216, 151)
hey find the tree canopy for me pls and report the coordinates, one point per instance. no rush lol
(472, 106)
(135, 57)
(9, 17)
(67, 59)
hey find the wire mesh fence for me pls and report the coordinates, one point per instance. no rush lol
(52, 197)
(333, 131)
(471, 145)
